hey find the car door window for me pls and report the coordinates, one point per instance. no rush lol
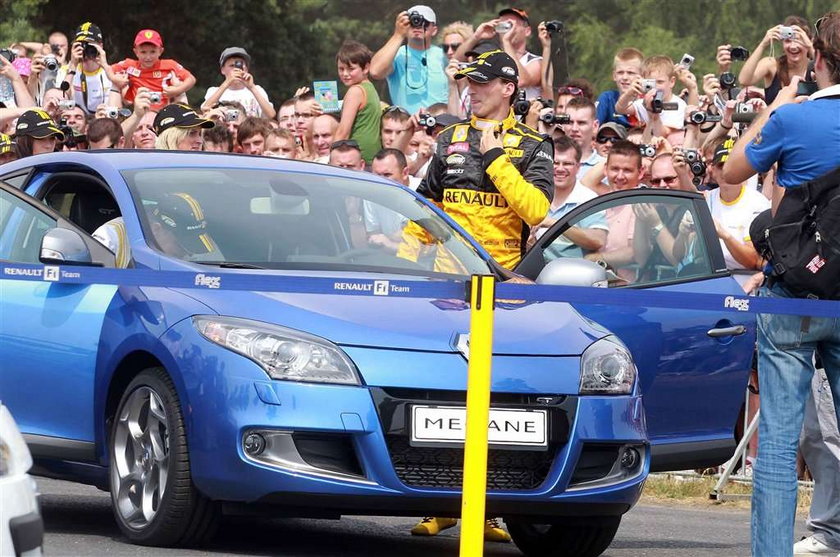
(22, 227)
(644, 240)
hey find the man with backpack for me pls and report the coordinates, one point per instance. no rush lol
(802, 137)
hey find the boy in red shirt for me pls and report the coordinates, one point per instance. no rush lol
(166, 76)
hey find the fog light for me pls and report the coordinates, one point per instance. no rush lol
(254, 444)
(630, 458)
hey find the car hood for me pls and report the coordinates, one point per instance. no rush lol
(550, 329)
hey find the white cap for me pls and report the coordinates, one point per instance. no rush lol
(425, 11)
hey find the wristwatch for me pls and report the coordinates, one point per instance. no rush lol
(656, 230)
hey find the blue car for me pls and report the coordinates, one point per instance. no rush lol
(186, 403)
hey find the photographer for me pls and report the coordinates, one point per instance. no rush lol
(87, 79)
(801, 137)
(775, 73)
(234, 65)
(414, 70)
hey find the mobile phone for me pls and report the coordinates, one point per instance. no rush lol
(326, 94)
(806, 88)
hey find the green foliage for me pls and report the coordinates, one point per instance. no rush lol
(294, 42)
(16, 22)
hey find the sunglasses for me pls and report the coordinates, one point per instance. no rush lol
(606, 139)
(394, 108)
(573, 91)
(341, 143)
(453, 47)
(666, 179)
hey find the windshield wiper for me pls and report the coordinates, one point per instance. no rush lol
(229, 264)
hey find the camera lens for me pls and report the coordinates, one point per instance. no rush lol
(554, 26)
(727, 80)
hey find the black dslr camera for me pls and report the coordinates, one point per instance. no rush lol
(417, 20)
(554, 26)
(89, 52)
(521, 106)
(727, 80)
(8, 54)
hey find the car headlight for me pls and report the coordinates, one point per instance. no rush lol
(607, 367)
(283, 353)
(14, 454)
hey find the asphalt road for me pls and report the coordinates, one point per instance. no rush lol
(79, 523)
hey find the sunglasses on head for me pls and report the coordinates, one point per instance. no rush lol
(573, 91)
(394, 108)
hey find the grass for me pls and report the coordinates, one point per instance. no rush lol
(694, 491)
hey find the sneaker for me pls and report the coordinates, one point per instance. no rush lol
(493, 531)
(432, 526)
(812, 546)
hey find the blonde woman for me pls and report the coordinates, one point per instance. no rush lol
(178, 128)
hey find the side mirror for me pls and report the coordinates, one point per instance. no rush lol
(573, 272)
(64, 247)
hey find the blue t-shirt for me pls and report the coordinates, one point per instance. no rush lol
(804, 138)
(414, 84)
(606, 109)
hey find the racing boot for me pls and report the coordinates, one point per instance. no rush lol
(432, 526)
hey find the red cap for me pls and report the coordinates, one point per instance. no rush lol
(148, 36)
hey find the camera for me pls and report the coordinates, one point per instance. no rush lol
(700, 117)
(727, 80)
(739, 53)
(646, 150)
(786, 33)
(806, 88)
(55, 48)
(547, 103)
(648, 85)
(504, 26)
(115, 112)
(521, 106)
(554, 26)
(427, 121)
(70, 139)
(239, 64)
(417, 20)
(51, 63)
(8, 54)
(743, 108)
(66, 104)
(154, 97)
(686, 61)
(694, 161)
(90, 52)
(554, 119)
(231, 115)
(658, 104)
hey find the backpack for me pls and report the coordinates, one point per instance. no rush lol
(802, 242)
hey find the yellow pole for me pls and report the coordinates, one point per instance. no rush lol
(482, 299)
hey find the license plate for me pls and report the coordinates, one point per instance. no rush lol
(447, 425)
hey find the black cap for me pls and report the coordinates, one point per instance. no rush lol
(722, 151)
(446, 120)
(521, 14)
(179, 116)
(183, 217)
(485, 45)
(489, 66)
(38, 124)
(88, 33)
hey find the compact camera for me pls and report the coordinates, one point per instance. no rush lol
(231, 115)
(504, 26)
(694, 161)
(686, 61)
(239, 64)
(115, 112)
(554, 119)
(648, 85)
(8, 54)
(700, 117)
(646, 150)
(51, 63)
(427, 121)
(786, 33)
(417, 20)
(155, 97)
(66, 104)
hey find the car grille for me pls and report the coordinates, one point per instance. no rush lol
(443, 467)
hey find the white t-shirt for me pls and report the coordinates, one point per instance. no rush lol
(90, 89)
(736, 217)
(244, 96)
(534, 92)
(674, 119)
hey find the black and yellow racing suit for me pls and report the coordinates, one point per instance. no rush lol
(497, 196)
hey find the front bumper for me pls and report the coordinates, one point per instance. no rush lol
(22, 528)
(345, 450)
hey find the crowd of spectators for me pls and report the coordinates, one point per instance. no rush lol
(662, 126)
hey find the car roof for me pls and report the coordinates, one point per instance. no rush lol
(133, 159)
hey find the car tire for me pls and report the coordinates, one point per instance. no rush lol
(578, 538)
(154, 499)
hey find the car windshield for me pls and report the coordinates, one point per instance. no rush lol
(251, 218)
